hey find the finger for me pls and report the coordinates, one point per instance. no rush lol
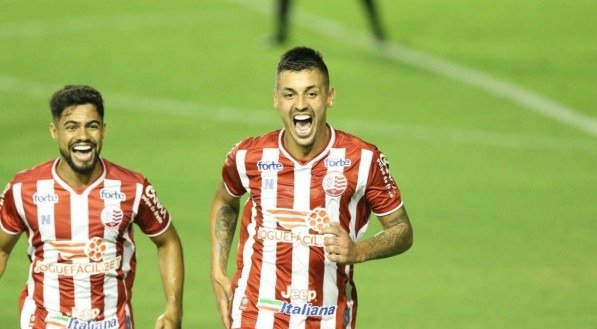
(332, 228)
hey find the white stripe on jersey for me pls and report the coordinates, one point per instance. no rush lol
(300, 251)
(128, 247)
(18, 199)
(242, 171)
(269, 195)
(110, 238)
(239, 293)
(27, 312)
(364, 169)
(46, 220)
(362, 177)
(79, 223)
(330, 288)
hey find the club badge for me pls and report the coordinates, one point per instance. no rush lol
(112, 216)
(334, 183)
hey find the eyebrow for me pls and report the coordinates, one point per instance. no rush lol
(307, 88)
(79, 122)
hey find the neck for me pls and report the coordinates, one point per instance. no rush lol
(76, 179)
(306, 152)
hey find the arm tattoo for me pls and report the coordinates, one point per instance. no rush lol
(225, 228)
(389, 242)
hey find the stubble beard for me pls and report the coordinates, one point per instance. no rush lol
(81, 169)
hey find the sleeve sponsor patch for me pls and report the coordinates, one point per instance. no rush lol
(151, 200)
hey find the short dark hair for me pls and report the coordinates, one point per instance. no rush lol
(303, 58)
(71, 95)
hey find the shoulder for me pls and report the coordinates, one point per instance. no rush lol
(114, 171)
(258, 142)
(38, 172)
(344, 139)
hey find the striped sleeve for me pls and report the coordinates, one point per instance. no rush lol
(230, 174)
(152, 216)
(382, 192)
(10, 221)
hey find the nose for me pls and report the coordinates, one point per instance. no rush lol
(82, 133)
(301, 103)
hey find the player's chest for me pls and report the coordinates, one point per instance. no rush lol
(317, 182)
(63, 214)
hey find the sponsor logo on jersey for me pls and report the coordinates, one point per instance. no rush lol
(269, 166)
(306, 309)
(86, 258)
(153, 202)
(289, 237)
(384, 168)
(93, 249)
(76, 269)
(316, 219)
(84, 313)
(304, 295)
(334, 183)
(67, 322)
(106, 194)
(111, 216)
(89, 324)
(346, 317)
(43, 198)
(244, 303)
(32, 320)
(336, 162)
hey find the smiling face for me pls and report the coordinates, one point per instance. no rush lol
(302, 98)
(79, 132)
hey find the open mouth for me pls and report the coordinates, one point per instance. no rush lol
(302, 124)
(83, 152)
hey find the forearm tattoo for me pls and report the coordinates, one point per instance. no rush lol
(225, 227)
(389, 242)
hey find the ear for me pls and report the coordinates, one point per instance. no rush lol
(53, 131)
(275, 98)
(331, 97)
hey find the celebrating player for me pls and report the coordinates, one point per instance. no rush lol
(77, 212)
(311, 191)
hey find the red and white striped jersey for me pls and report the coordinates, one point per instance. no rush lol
(284, 279)
(81, 244)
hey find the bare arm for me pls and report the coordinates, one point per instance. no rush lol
(172, 273)
(7, 242)
(222, 220)
(396, 238)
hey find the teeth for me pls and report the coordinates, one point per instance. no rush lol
(302, 117)
(82, 148)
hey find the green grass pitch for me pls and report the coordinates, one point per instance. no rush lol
(502, 195)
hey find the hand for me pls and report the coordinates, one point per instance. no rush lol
(223, 292)
(168, 321)
(339, 246)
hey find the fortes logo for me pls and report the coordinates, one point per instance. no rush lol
(337, 162)
(47, 197)
(269, 165)
(112, 195)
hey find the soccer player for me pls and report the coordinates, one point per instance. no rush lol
(283, 12)
(78, 213)
(311, 190)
